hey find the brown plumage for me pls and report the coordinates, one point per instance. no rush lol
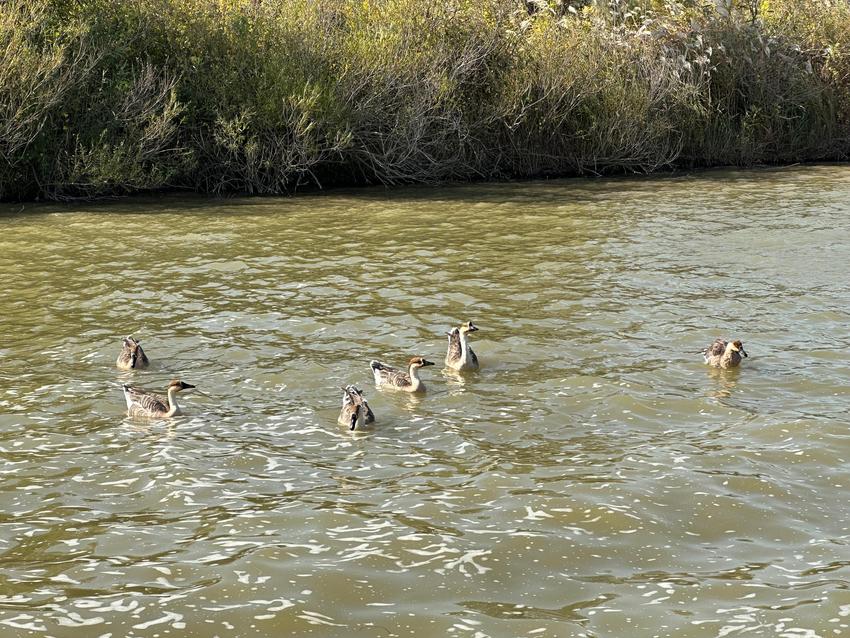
(386, 376)
(460, 355)
(355, 412)
(132, 356)
(724, 354)
(145, 403)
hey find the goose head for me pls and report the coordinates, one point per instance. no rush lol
(738, 346)
(178, 386)
(419, 362)
(468, 327)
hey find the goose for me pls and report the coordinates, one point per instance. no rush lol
(132, 356)
(724, 354)
(144, 403)
(355, 413)
(399, 379)
(460, 355)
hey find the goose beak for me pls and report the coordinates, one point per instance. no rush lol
(744, 352)
(473, 328)
(427, 363)
(186, 386)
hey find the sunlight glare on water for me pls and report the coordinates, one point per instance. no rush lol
(595, 478)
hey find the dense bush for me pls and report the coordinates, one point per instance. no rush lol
(101, 97)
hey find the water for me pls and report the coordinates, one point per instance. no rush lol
(593, 479)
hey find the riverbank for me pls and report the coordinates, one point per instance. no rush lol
(101, 97)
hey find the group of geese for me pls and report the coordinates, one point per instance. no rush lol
(356, 413)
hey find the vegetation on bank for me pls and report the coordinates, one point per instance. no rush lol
(101, 97)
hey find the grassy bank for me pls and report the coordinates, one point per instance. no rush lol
(101, 97)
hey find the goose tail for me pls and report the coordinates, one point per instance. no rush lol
(378, 371)
(127, 395)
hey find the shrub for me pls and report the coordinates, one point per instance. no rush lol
(102, 97)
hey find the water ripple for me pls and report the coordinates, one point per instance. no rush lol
(594, 478)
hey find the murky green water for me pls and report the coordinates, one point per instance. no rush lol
(594, 478)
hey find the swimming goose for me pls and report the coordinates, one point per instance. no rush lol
(355, 413)
(398, 379)
(132, 356)
(144, 403)
(724, 354)
(460, 355)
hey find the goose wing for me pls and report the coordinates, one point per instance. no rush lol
(124, 359)
(345, 413)
(717, 348)
(454, 350)
(370, 416)
(141, 358)
(398, 378)
(126, 354)
(139, 399)
(386, 375)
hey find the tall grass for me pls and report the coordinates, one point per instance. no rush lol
(104, 97)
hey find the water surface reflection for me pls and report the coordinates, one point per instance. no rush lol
(594, 478)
